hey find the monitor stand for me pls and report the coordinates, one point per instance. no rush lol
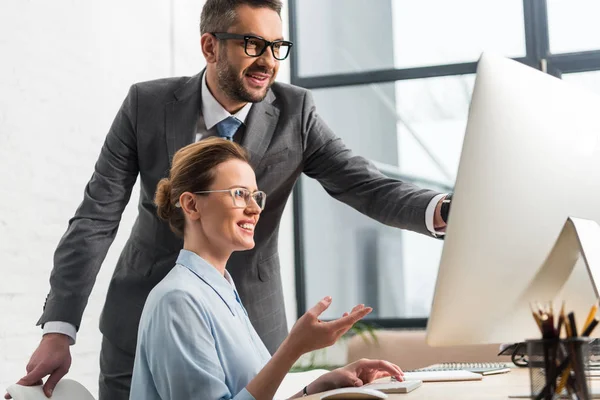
(578, 238)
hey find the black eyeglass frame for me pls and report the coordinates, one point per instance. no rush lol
(246, 38)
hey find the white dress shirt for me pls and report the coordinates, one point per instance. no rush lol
(213, 113)
(430, 213)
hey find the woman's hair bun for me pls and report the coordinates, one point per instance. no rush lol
(162, 199)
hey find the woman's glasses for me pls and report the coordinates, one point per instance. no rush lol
(242, 197)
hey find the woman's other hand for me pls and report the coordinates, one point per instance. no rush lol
(358, 373)
(310, 333)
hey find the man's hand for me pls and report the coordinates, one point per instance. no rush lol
(52, 357)
(438, 222)
(358, 373)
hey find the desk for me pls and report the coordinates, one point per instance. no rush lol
(500, 386)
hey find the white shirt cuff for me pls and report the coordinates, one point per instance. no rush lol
(61, 327)
(430, 213)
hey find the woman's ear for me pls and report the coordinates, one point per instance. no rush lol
(189, 205)
(208, 43)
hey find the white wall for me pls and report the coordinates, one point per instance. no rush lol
(66, 68)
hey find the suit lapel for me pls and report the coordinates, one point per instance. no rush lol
(261, 123)
(182, 116)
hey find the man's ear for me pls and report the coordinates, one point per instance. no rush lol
(209, 45)
(189, 204)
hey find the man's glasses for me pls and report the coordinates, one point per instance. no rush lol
(242, 197)
(255, 46)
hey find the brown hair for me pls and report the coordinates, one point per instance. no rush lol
(219, 15)
(192, 171)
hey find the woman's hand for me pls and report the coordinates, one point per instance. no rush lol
(358, 373)
(310, 333)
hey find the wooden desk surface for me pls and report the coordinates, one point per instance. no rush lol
(500, 386)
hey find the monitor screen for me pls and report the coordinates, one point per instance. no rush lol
(530, 159)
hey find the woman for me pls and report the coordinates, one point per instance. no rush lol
(195, 339)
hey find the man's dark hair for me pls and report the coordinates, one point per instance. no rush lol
(219, 15)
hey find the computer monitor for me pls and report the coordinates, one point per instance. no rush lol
(530, 159)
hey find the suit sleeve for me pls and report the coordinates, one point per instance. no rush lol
(355, 181)
(92, 229)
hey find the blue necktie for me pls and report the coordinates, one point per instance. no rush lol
(228, 127)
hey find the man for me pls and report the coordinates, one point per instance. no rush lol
(278, 125)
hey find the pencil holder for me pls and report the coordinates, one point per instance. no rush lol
(558, 368)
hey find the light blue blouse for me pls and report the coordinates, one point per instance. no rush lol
(195, 340)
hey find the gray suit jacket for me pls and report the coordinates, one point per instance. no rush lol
(284, 137)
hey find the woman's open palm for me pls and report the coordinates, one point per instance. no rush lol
(310, 333)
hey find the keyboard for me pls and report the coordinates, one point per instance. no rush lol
(479, 368)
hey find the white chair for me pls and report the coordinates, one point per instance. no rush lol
(66, 389)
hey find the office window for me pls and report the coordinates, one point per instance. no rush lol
(361, 116)
(432, 32)
(415, 125)
(573, 25)
(394, 80)
(432, 115)
(587, 80)
(415, 129)
(371, 35)
(358, 260)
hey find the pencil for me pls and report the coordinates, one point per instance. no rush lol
(568, 328)
(536, 317)
(588, 329)
(550, 332)
(561, 320)
(572, 323)
(563, 380)
(547, 327)
(591, 315)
